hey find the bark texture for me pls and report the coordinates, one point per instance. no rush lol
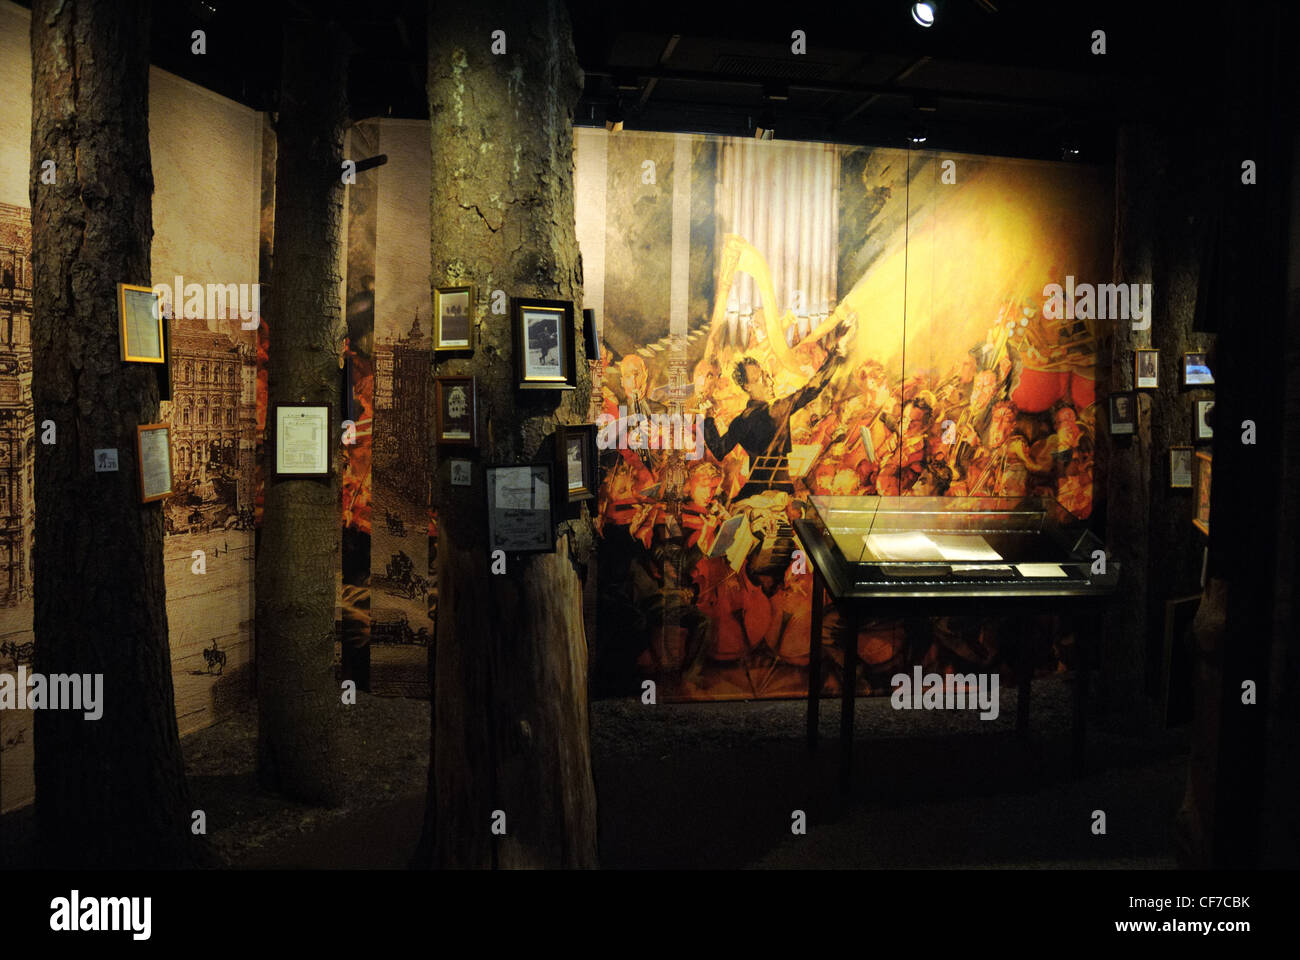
(298, 556)
(109, 792)
(510, 704)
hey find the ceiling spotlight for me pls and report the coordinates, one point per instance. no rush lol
(917, 136)
(923, 14)
(765, 129)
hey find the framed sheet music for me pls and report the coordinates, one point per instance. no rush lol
(301, 440)
(519, 508)
(153, 453)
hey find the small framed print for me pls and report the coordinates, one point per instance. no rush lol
(461, 471)
(453, 319)
(543, 344)
(1180, 467)
(153, 453)
(1196, 370)
(1204, 419)
(1123, 413)
(140, 322)
(457, 405)
(519, 508)
(1201, 513)
(302, 439)
(575, 460)
(1146, 369)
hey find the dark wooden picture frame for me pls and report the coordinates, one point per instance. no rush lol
(582, 438)
(527, 527)
(456, 345)
(147, 494)
(444, 395)
(326, 440)
(1122, 425)
(527, 320)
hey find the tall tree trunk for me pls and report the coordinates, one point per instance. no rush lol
(298, 556)
(510, 704)
(111, 791)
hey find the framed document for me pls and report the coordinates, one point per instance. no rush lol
(1201, 514)
(457, 411)
(1180, 467)
(1204, 419)
(543, 344)
(575, 460)
(519, 508)
(302, 439)
(140, 322)
(453, 319)
(1196, 370)
(1146, 369)
(153, 452)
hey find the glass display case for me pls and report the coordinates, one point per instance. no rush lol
(995, 546)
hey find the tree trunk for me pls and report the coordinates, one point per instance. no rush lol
(111, 791)
(510, 704)
(298, 557)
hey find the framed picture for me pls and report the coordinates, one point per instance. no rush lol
(1196, 370)
(1180, 467)
(1201, 514)
(575, 460)
(1146, 369)
(519, 508)
(153, 452)
(543, 344)
(453, 319)
(302, 439)
(140, 321)
(1123, 413)
(457, 404)
(1204, 419)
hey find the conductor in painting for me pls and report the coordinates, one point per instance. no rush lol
(763, 427)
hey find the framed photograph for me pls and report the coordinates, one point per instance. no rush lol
(543, 344)
(519, 508)
(457, 404)
(575, 460)
(140, 321)
(302, 439)
(1201, 513)
(453, 319)
(1204, 419)
(1146, 369)
(1196, 370)
(153, 452)
(1180, 467)
(1123, 413)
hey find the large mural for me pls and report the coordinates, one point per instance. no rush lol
(784, 320)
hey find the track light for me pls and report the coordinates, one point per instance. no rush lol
(917, 135)
(614, 117)
(923, 14)
(765, 129)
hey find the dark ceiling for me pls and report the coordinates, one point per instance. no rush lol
(1013, 77)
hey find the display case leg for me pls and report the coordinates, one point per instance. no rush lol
(847, 695)
(815, 660)
(1078, 754)
(1025, 678)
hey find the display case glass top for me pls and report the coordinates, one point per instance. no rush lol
(996, 545)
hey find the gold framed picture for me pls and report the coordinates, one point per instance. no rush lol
(153, 454)
(140, 324)
(1201, 515)
(575, 461)
(453, 319)
(1196, 370)
(1146, 369)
